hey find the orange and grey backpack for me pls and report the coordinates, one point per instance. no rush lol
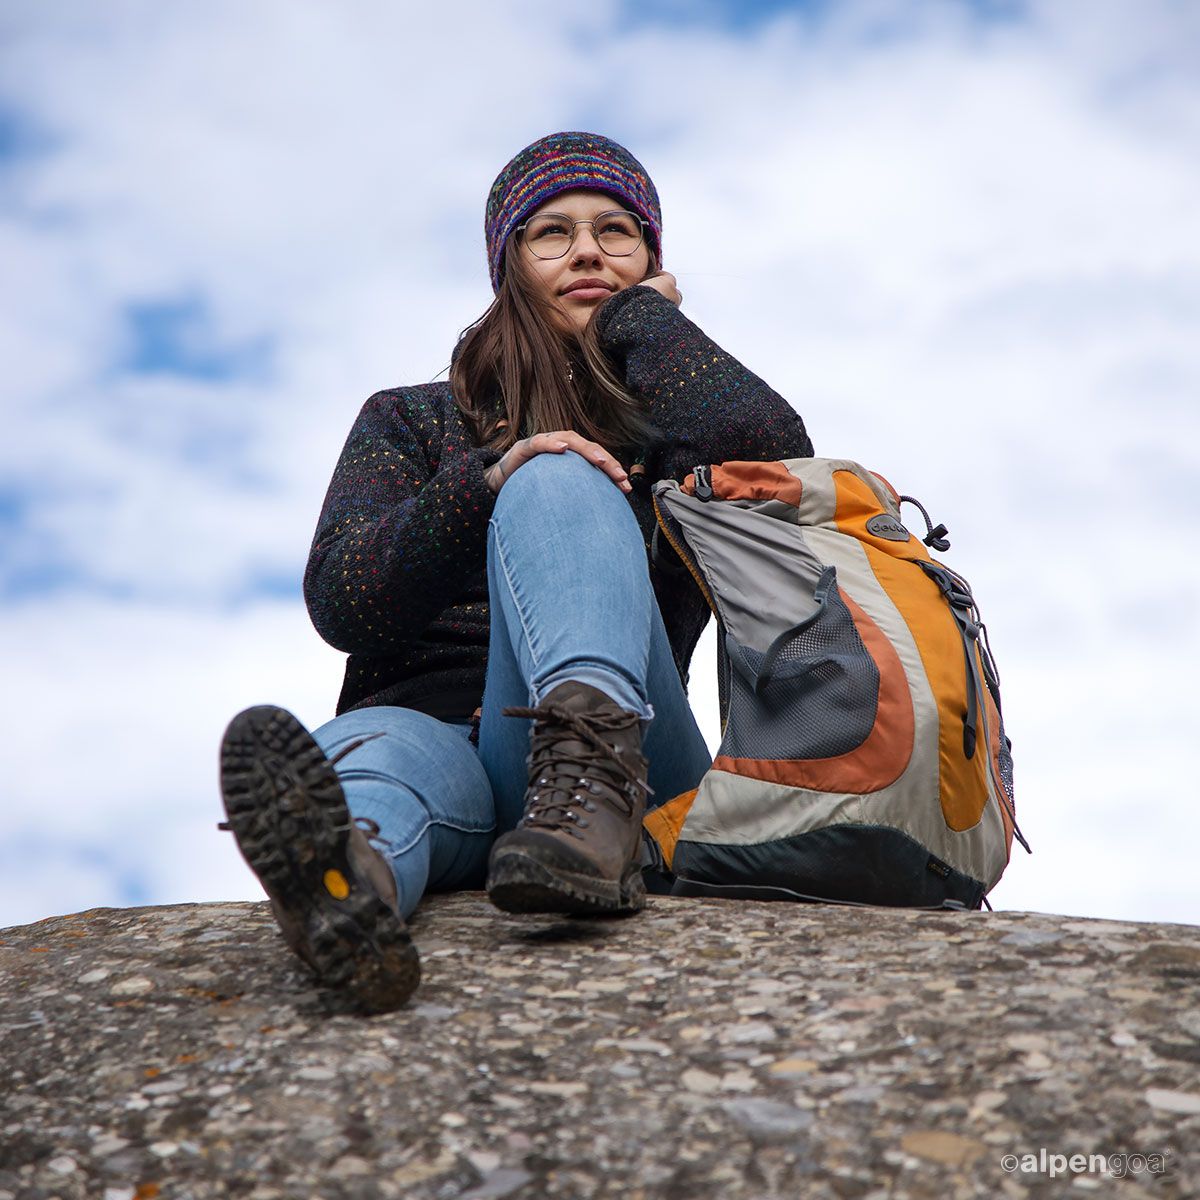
(863, 757)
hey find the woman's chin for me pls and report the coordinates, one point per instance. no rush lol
(573, 321)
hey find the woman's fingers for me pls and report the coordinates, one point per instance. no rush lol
(666, 285)
(599, 457)
(558, 443)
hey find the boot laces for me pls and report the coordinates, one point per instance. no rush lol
(375, 838)
(368, 826)
(564, 786)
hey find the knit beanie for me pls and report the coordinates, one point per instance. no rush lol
(562, 162)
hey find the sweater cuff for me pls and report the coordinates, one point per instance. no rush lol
(479, 459)
(487, 457)
(638, 295)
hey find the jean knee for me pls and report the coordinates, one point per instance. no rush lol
(551, 479)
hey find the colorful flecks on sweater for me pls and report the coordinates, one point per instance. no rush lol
(397, 574)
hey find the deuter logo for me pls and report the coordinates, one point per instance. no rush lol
(888, 527)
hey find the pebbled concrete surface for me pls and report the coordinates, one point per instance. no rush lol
(704, 1048)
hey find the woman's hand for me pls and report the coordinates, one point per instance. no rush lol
(664, 283)
(555, 443)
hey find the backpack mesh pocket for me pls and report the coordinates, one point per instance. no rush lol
(813, 694)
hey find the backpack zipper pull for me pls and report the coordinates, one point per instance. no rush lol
(703, 488)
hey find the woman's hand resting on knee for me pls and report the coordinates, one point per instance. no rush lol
(555, 443)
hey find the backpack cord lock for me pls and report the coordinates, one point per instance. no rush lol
(935, 536)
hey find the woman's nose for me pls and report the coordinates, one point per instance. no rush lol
(586, 245)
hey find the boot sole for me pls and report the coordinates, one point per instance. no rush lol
(288, 813)
(519, 883)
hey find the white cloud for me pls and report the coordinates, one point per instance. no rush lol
(969, 254)
(120, 709)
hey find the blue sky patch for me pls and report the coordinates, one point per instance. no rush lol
(12, 508)
(271, 583)
(129, 882)
(176, 337)
(133, 889)
(19, 137)
(736, 15)
(30, 565)
(743, 16)
(49, 576)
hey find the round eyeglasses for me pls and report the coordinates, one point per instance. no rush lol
(551, 235)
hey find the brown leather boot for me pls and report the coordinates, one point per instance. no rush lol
(332, 893)
(576, 848)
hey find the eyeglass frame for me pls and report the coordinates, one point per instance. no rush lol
(642, 224)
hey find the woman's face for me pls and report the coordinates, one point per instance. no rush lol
(585, 276)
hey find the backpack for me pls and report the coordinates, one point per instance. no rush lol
(863, 757)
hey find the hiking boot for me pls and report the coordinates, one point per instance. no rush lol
(577, 846)
(332, 893)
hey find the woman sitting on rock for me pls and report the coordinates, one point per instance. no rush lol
(518, 656)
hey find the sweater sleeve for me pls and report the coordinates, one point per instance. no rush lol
(403, 526)
(706, 405)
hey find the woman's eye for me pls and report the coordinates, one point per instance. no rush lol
(548, 229)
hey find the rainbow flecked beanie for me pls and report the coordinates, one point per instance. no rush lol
(559, 163)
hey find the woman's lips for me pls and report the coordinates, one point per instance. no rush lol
(588, 287)
(588, 293)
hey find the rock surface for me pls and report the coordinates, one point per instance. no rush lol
(704, 1048)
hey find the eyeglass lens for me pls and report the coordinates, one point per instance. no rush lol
(550, 235)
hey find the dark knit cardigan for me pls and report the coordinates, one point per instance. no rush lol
(397, 574)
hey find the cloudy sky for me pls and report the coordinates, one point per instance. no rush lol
(963, 238)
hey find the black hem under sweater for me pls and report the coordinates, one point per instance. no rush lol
(397, 575)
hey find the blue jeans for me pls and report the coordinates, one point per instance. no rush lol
(570, 598)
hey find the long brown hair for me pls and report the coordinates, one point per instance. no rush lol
(517, 371)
